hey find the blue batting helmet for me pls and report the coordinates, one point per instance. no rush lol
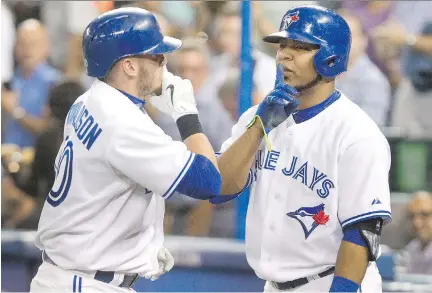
(320, 26)
(120, 33)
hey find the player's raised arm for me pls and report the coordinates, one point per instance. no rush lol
(239, 151)
(364, 205)
(202, 180)
(178, 101)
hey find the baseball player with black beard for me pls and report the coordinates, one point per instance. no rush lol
(319, 179)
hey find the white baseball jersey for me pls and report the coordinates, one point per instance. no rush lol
(113, 172)
(328, 168)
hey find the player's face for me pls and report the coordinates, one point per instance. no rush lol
(297, 60)
(149, 79)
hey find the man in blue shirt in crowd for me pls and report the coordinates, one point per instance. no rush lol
(25, 101)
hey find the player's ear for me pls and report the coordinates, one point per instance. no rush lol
(130, 66)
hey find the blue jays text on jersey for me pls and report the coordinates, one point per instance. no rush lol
(86, 128)
(299, 170)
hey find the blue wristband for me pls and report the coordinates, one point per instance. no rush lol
(355, 237)
(340, 284)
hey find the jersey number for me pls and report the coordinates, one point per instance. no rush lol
(63, 169)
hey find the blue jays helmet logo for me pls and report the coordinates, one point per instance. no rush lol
(310, 218)
(289, 19)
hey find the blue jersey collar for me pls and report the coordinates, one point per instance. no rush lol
(308, 113)
(140, 103)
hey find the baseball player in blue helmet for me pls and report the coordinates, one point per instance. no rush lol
(121, 33)
(327, 36)
(101, 227)
(316, 164)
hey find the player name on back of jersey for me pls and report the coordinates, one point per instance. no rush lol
(86, 128)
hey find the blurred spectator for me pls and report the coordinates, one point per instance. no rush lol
(65, 22)
(214, 6)
(205, 14)
(400, 29)
(417, 256)
(398, 233)
(413, 99)
(372, 14)
(364, 83)
(229, 94)
(7, 59)
(24, 203)
(8, 41)
(185, 215)
(389, 16)
(25, 102)
(17, 206)
(227, 35)
(180, 13)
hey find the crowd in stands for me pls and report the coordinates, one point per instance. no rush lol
(42, 72)
(416, 257)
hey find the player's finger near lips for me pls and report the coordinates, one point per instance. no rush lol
(280, 81)
(279, 74)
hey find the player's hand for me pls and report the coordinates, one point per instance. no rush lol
(177, 97)
(9, 101)
(278, 105)
(166, 263)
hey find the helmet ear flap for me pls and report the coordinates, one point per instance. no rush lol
(327, 64)
(331, 61)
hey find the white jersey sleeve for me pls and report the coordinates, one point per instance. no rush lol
(238, 131)
(363, 181)
(145, 154)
